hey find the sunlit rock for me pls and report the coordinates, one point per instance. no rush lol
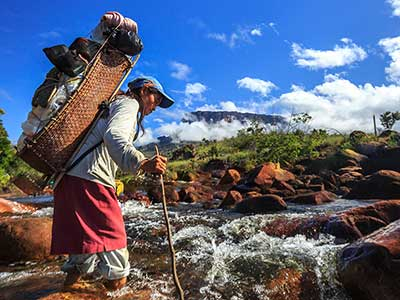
(25, 239)
(369, 268)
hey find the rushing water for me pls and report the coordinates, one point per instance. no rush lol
(220, 254)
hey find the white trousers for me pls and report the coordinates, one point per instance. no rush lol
(111, 264)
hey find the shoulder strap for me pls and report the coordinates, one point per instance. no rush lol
(104, 111)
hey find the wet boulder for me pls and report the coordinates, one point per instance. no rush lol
(230, 176)
(353, 155)
(261, 204)
(25, 239)
(292, 284)
(231, 199)
(219, 194)
(360, 221)
(371, 148)
(388, 159)
(384, 184)
(369, 268)
(285, 187)
(8, 206)
(286, 226)
(196, 192)
(265, 175)
(315, 198)
(171, 194)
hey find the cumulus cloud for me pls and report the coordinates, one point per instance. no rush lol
(194, 92)
(256, 31)
(340, 104)
(396, 7)
(196, 131)
(147, 138)
(392, 48)
(180, 71)
(256, 85)
(341, 55)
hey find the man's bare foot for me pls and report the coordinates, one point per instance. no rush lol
(73, 277)
(116, 284)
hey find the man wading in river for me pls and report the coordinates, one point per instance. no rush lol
(87, 222)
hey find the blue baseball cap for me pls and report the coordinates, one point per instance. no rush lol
(151, 81)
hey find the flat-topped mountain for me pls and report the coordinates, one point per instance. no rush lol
(229, 116)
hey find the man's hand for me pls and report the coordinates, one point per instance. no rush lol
(156, 165)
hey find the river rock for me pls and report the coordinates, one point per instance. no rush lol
(284, 227)
(389, 159)
(315, 198)
(25, 239)
(384, 184)
(218, 173)
(371, 148)
(219, 195)
(285, 187)
(214, 164)
(291, 284)
(369, 268)
(349, 169)
(265, 174)
(231, 199)
(261, 204)
(360, 221)
(7, 206)
(351, 154)
(230, 176)
(171, 194)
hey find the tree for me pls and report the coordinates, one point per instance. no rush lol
(388, 119)
(7, 154)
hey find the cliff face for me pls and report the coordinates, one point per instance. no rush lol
(229, 116)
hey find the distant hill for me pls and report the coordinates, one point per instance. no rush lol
(167, 145)
(228, 116)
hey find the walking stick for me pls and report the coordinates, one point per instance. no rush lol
(169, 233)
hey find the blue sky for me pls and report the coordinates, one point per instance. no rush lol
(337, 60)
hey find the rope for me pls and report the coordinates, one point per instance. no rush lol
(169, 233)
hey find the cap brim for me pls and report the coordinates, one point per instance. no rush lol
(166, 101)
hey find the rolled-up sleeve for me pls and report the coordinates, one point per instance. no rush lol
(117, 137)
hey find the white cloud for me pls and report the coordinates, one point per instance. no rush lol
(196, 131)
(322, 59)
(240, 35)
(256, 85)
(195, 88)
(50, 34)
(217, 36)
(194, 92)
(396, 7)
(338, 103)
(256, 31)
(180, 71)
(147, 138)
(392, 48)
(5, 95)
(272, 25)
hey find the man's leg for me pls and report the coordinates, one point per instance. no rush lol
(114, 266)
(78, 265)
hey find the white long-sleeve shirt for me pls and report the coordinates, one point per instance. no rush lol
(117, 131)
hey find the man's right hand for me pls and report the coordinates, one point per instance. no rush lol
(156, 165)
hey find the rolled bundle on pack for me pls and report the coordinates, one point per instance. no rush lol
(113, 19)
(110, 20)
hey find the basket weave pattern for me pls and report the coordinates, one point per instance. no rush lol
(50, 149)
